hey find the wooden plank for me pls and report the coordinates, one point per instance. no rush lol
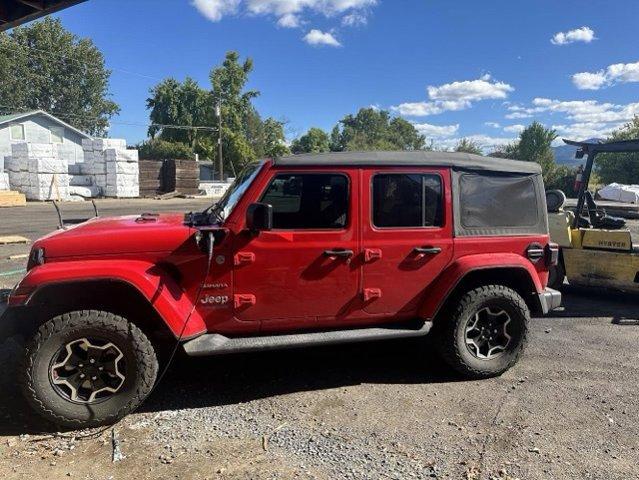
(9, 198)
(13, 239)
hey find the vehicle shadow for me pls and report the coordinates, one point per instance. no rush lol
(589, 302)
(217, 381)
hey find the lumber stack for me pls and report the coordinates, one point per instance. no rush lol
(150, 177)
(181, 176)
(11, 198)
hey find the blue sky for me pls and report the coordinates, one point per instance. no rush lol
(454, 68)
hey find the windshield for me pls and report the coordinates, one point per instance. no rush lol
(230, 198)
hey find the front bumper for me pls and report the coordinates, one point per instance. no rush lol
(549, 300)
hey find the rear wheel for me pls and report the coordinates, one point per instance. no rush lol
(486, 333)
(87, 368)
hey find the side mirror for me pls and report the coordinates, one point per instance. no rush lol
(259, 217)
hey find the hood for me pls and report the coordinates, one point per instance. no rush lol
(118, 235)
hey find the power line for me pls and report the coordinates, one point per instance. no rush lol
(12, 109)
(85, 64)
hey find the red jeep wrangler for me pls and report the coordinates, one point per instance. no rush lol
(302, 250)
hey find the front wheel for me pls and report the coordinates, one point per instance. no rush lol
(486, 333)
(87, 368)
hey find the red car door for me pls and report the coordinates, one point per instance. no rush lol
(302, 273)
(407, 236)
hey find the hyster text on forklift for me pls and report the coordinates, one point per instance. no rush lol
(301, 251)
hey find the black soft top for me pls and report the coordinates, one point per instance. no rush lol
(461, 161)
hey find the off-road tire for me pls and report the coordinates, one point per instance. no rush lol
(451, 337)
(140, 360)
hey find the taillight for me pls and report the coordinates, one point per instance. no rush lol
(552, 254)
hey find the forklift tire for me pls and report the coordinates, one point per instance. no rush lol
(556, 275)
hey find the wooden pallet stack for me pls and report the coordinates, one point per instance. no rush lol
(11, 198)
(182, 176)
(150, 177)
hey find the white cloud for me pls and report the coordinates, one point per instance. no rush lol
(317, 37)
(214, 10)
(514, 128)
(355, 19)
(470, 90)
(492, 124)
(582, 119)
(485, 142)
(290, 20)
(455, 96)
(518, 115)
(613, 74)
(436, 131)
(589, 81)
(584, 131)
(289, 13)
(583, 34)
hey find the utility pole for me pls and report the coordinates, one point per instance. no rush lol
(218, 112)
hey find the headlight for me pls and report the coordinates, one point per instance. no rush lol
(36, 258)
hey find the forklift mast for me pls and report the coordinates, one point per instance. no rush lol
(590, 151)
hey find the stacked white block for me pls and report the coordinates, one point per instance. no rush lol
(4, 181)
(36, 171)
(122, 172)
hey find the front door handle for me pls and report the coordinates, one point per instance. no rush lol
(338, 253)
(427, 250)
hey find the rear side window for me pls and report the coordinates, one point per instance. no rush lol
(308, 201)
(498, 201)
(407, 200)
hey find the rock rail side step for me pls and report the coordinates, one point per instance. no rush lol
(216, 344)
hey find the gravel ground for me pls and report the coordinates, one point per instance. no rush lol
(386, 410)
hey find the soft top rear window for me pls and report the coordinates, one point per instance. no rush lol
(503, 201)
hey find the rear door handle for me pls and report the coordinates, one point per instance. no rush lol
(427, 250)
(338, 253)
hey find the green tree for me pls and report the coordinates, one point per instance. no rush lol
(158, 149)
(620, 167)
(466, 145)
(44, 66)
(372, 129)
(274, 144)
(229, 81)
(535, 145)
(315, 140)
(183, 105)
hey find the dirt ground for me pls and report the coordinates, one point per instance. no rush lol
(386, 410)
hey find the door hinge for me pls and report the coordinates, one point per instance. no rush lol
(243, 299)
(243, 258)
(371, 254)
(371, 293)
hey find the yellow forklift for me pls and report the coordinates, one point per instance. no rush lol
(596, 249)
